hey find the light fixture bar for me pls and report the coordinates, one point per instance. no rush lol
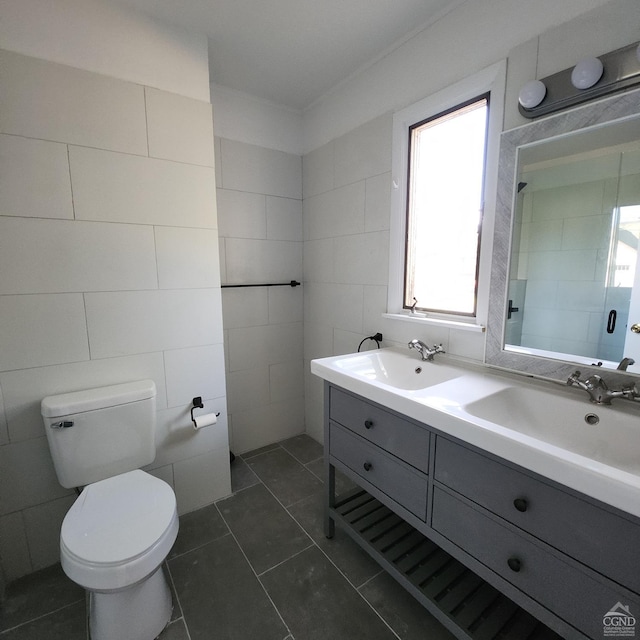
(621, 71)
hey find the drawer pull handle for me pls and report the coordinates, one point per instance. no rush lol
(367, 466)
(520, 504)
(368, 424)
(515, 564)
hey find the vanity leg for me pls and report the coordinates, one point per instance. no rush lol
(330, 500)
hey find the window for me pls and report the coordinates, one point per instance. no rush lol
(444, 209)
(445, 151)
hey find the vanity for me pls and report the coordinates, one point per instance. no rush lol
(499, 530)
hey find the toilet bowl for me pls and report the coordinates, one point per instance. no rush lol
(113, 542)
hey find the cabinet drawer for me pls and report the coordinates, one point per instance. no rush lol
(398, 436)
(608, 543)
(400, 482)
(575, 596)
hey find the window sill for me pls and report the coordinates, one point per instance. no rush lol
(438, 322)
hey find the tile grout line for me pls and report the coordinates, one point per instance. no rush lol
(349, 582)
(44, 615)
(244, 555)
(175, 592)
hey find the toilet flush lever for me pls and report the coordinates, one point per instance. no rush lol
(64, 424)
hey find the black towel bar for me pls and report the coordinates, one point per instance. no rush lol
(293, 283)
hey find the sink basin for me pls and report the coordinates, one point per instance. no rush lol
(396, 369)
(602, 433)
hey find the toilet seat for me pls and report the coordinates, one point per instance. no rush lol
(118, 531)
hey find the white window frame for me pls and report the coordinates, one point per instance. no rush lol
(490, 80)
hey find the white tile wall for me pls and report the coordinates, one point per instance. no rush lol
(34, 178)
(317, 171)
(40, 330)
(116, 187)
(14, 549)
(88, 109)
(363, 152)
(177, 440)
(262, 261)
(285, 304)
(270, 344)
(37, 486)
(119, 283)
(241, 214)
(201, 479)
(335, 213)
(257, 427)
(49, 256)
(124, 323)
(284, 219)
(377, 207)
(246, 167)
(245, 307)
(179, 128)
(24, 389)
(187, 258)
(286, 381)
(198, 371)
(249, 388)
(42, 524)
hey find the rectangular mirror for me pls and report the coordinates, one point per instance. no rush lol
(566, 242)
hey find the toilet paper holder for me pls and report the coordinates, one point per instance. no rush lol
(198, 404)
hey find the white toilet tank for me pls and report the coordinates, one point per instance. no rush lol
(99, 433)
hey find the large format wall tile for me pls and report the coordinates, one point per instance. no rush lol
(284, 219)
(49, 256)
(180, 128)
(270, 344)
(201, 480)
(55, 102)
(246, 167)
(126, 322)
(38, 486)
(39, 330)
(14, 549)
(363, 152)
(263, 261)
(187, 258)
(42, 524)
(115, 187)
(24, 389)
(335, 213)
(34, 178)
(241, 214)
(197, 371)
(177, 440)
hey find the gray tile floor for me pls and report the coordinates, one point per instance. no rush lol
(255, 565)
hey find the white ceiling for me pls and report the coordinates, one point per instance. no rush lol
(292, 52)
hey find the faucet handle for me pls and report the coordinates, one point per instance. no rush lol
(573, 378)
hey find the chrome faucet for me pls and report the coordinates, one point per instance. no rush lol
(426, 352)
(624, 363)
(599, 392)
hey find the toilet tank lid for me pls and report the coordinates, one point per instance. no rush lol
(100, 398)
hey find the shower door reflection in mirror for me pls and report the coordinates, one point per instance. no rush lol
(576, 234)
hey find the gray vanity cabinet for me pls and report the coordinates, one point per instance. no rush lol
(483, 544)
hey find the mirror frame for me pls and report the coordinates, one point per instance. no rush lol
(602, 112)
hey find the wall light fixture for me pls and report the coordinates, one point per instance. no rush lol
(591, 78)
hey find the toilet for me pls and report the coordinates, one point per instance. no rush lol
(123, 524)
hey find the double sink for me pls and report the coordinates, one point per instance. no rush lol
(546, 428)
